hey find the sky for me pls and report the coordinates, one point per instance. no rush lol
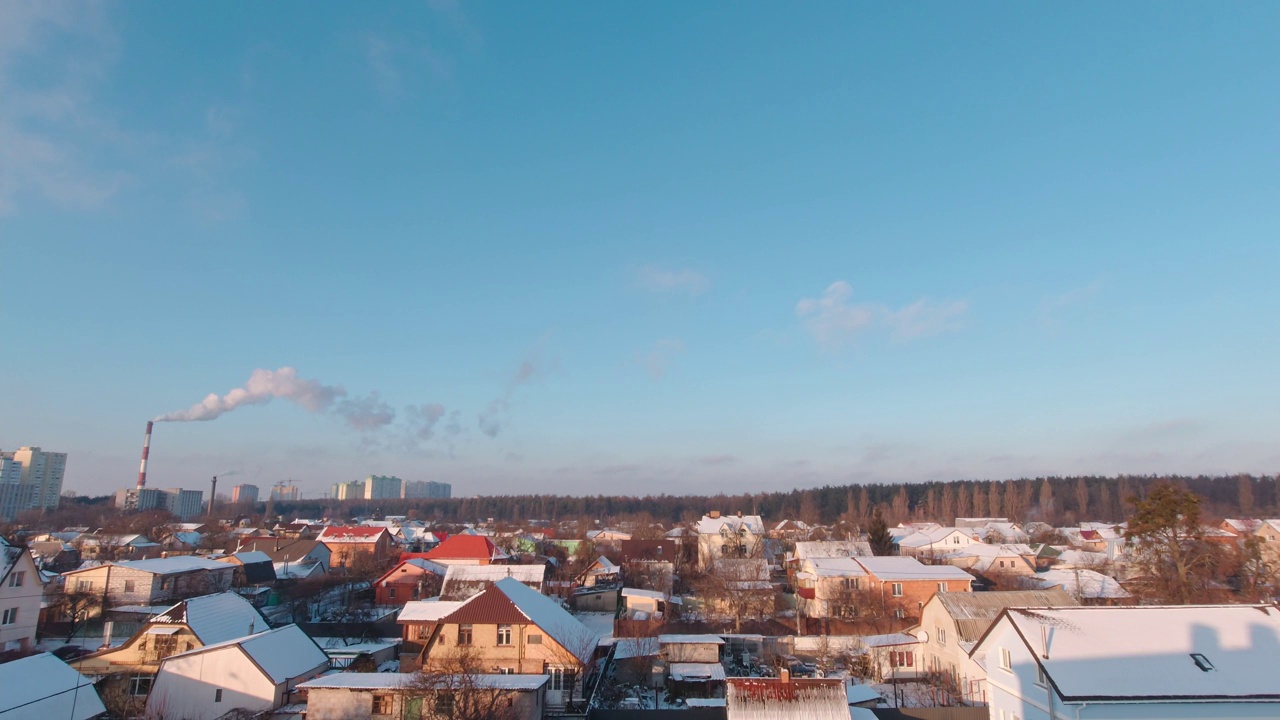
(639, 248)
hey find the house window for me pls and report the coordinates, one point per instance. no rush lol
(533, 640)
(15, 579)
(942, 587)
(942, 635)
(140, 684)
(1040, 675)
(444, 704)
(902, 658)
(84, 585)
(217, 695)
(381, 704)
(557, 678)
(1006, 661)
(129, 586)
(10, 616)
(506, 671)
(391, 593)
(162, 646)
(955, 540)
(464, 634)
(850, 583)
(899, 613)
(504, 634)
(897, 589)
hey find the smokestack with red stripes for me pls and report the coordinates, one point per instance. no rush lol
(146, 448)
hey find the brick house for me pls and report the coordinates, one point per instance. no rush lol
(906, 584)
(151, 582)
(467, 550)
(412, 579)
(345, 542)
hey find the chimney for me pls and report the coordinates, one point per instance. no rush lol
(106, 633)
(784, 674)
(146, 449)
(739, 513)
(714, 515)
(213, 493)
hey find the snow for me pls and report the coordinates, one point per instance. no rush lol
(651, 594)
(379, 681)
(839, 567)
(252, 556)
(861, 694)
(429, 610)
(831, 549)
(171, 565)
(215, 618)
(493, 573)
(906, 568)
(712, 526)
(1130, 653)
(599, 623)
(284, 653)
(697, 672)
(1081, 583)
(690, 640)
(42, 686)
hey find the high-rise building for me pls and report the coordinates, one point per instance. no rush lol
(281, 491)
(14, 496)
(41, 470)
(382, 487)
(244, 494)
(353, 490)
(427, 489)
(186, 504)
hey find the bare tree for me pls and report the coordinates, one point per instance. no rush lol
(76, 606)
(455, 687)
(739, 588)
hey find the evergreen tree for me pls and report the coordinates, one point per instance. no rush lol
(878, 535)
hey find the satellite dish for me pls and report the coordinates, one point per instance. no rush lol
(923, 636)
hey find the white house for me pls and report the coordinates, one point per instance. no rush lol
(728, 537)
(258, 672)
(42, 687)
(937, 541)
(1141, 662)
(20, 593)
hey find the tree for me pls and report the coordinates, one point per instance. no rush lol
(1245, 495)
(456, 687)
(1170, 549)
(902, 505)
(1046, 501)
(1082, 498)
(76, 606)
(878, 535)
(740, 588)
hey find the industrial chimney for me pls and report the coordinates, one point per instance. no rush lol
(213, 493)
(146, 448)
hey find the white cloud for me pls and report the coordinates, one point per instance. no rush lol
(664, 280)
(834, 319)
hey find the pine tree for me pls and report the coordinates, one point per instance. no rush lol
(878, 535)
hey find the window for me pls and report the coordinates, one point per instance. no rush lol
(464, 634)
(84, 585)
(942, 587)
(533, 640)
(504, 634)
(140, 684)
(10, 616)
(15, 578)
(557, 678)
(1006, 662)
(941, 634)
(391, 595)
(217, 695)
(128, 586)
(381, 704)
(1040, 675)
(902, 658)
(850, 583)
(162, 646)
(444, 704)
(506, 671)
(897, 589)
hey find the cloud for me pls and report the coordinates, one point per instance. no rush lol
(715, 460)
(262, 387)
(659, 358)
(366, 413)
(834, 320)
(424, 418)
(494, 417)
(663, 280)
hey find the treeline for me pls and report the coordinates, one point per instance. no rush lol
(1055, 500)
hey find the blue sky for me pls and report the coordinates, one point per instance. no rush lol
(684, 247)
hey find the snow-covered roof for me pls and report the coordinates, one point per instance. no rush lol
(1080, 582)
(651, 594)
(711, 526)
(690, 639)
(215, 618)
(697, 672)
(548, 615)
(428, 610)
(380, 681)
(283, 653)
(937, 536)
(1146, 653)
(907, 568)
(973, 613)
(494, 573)
(41, 686)
(296, 570)
(252, 556)
(890, 639)
(838, 567)
(854, 693)
(831, 549)
(172, 565)
(187, 537)
(350, 534)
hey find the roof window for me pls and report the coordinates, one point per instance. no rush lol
(1202, 662)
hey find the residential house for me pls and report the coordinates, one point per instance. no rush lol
(466, 550)
(601, 571)
(375, 696)
(104, 546)
(808, 549)
(937, 541)
(893, 656)
(127, 671)
(729, 537)
(652, 661)
(412, 579)
(608, 537)
(253, 673)
(790, 530)
(21, 590)
(828, 587)
(1122, 663)
(346, 542)
(951, 624)
(739, 587)
(158, 581)
(904, 584)
(648, 604)
(464, 581)
(1269, 533)
(509, 628)
(252, 568)
(783, 698)
(55, 555)
(42, 687)
(1090, 587)
(181, 541)
(286, 551)
(999, 564)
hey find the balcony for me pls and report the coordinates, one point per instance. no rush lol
(807, 593)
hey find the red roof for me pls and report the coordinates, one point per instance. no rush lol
(490, 607)
(350, 533)
(465, 547)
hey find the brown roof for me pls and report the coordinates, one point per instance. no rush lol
(974, 612)
(490, 607)
(290, 550)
